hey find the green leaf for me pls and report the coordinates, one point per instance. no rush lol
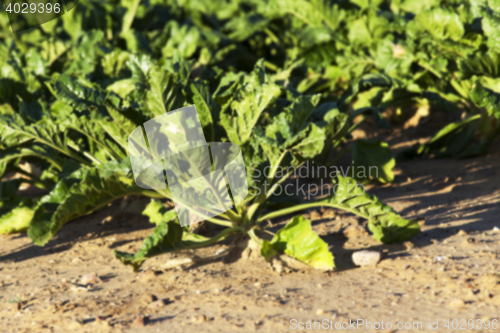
(362, 84)
(164, 92)
(298, 240)
(10, 90)
(17, 220)
(140, 65)
(83, 192)
(50, 135)
(368, 154)
(486, 64)
(253, 98)
(490, 22)
(15, 212)
(86, 52)
(486, 98)
(77, 95)
(453, 140)
(166, 237)
(441, 24)
(157, 212)
(386, 225)
(205, 107)
(169, 236)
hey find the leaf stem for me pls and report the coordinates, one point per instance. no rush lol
(223, 234)
(297, 208)
(254, 237)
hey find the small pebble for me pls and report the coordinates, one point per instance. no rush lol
(366, 258)
(457, 303)
(102, 321)
(277, 265)
(408, 245)
(320, 311)
(157, 304)
(200, 318)
(147, 275)
(219, 251)
(138, 322)
(462, 233)
(76, 261)
(90, 278)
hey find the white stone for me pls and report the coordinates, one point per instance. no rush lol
(366, 258)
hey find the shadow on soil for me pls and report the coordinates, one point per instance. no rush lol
(111, 221)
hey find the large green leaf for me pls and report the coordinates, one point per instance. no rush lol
(386, 225)
(166, 237)
(369, 154)
(83, 192)
(441, 24)
(486, 98)
(16, 220)
(298, 240)
(77, 95)
(254, 96)
(454, 140)
(15, 212)
(485, 64)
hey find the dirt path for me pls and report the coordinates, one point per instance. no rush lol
(444, 273)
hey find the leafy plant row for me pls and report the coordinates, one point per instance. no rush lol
(81, 144)
(73, 89)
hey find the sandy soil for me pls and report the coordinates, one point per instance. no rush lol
(449, 271)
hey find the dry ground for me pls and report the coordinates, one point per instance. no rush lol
(449, 271)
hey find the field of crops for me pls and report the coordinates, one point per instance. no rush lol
(407, 88)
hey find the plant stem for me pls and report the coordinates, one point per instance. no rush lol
(220, 222)
(297, 208)
(254, 237)
(271, 66)
(223, 234)
(129, 16)
(272, 36)
(353, 127)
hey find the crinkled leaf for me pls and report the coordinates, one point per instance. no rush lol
(386, 225)
(486, 64)
(441, 24)
(298, 240)
(253, 98)
(166, 237)
(83, 192)
(486, 98)
(77, 95)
